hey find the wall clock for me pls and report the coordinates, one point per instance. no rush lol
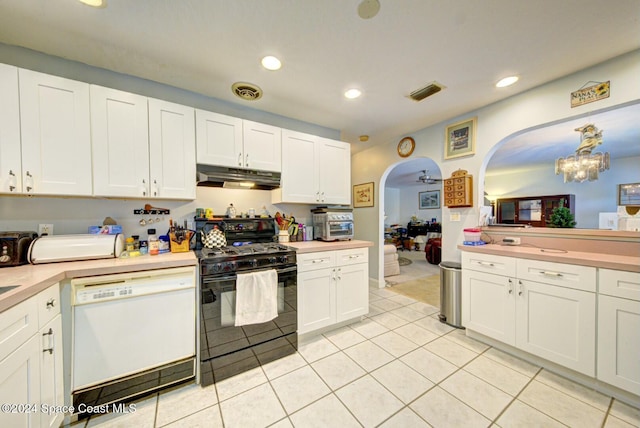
(406, 146)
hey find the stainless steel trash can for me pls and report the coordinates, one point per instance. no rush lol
(450, 294)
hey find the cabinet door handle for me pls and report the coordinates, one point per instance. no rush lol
(51, 303)
(144, 187)
(12, 181)
(554, 274)
(339, 274)
(510, 286)
(246, 160)
(317, 261)
(29, 181)
(155, 187)
(322, 197)
(239, 159)
(486, 264)
(519, 288)
(317, 196)
(49, 346)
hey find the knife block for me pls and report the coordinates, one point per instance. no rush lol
(181, 247)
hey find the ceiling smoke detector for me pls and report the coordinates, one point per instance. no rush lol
(427, 91)
(247, 91)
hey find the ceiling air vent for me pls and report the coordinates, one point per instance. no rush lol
(427, 91)
(246, 91)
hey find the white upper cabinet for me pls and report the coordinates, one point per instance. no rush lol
(335, 172)
(142, 147)
(120, 140)
(299, 180)
(172, 150)
(56, 136)
(218, 139)
(314, 170)
(10, 162)
(229, 141)
(262, 146)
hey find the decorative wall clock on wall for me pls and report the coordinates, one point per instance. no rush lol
(406, 147)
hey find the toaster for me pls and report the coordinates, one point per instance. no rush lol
(14, 247)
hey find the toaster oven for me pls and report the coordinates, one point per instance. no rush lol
(14, 247)
(334, 225)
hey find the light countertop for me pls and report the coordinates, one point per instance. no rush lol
(629, 263)
(34, 278)
(315, 246)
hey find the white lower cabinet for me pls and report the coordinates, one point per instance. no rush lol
(619, 329)
(332, 287)
(31, 368)
(553, 319)
(558, 324)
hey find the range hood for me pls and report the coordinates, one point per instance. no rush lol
(237, 178)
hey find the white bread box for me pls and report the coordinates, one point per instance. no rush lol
(66, 248)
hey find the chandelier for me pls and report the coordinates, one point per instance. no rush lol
(584, 165)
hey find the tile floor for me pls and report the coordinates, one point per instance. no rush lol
(398, 367)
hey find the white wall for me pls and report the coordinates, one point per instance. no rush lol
(497, 122)
(591, 198)
(75, 215)
(392, 206)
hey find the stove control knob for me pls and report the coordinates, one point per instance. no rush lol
(283, 259)
(273, 260)
(254, 263)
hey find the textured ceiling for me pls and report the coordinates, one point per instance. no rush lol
(206, 45)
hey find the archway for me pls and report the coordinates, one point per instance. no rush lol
(404, 175)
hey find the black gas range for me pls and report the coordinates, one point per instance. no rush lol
(226, 349)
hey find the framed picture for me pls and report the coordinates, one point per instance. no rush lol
(629, 194)
(460, 139)
(429, 200)
(363, 195)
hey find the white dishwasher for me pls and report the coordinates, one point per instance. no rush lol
(132, 333)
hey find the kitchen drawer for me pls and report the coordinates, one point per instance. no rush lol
(619, 283)
(489, 263)
(352, 256)
(564, 275)
(313, 261)
(48, 304)
(17, 324)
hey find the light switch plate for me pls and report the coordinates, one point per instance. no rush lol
(454, 217)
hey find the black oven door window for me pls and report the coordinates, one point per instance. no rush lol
(220, 336)
(338, 229)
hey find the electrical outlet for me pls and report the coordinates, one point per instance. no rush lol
(45, 229)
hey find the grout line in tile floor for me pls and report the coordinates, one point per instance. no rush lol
(346, 339)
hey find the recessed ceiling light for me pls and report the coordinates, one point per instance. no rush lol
(352, 93)
(94, 3)
(364, 138)
(271, 63)
(507, 81)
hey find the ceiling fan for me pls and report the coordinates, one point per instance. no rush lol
(427, 179)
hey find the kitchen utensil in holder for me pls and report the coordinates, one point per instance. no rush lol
(283, 236)
(178, 245)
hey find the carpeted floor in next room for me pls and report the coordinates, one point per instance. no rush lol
(418, 279)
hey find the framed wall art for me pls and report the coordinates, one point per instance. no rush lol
(629, 194)
(460, 139)
(363, 195)
(429, 200)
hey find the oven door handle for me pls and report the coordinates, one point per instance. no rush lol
(234, 276)
(287, 269)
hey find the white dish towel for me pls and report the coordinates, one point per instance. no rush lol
(256, 297)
